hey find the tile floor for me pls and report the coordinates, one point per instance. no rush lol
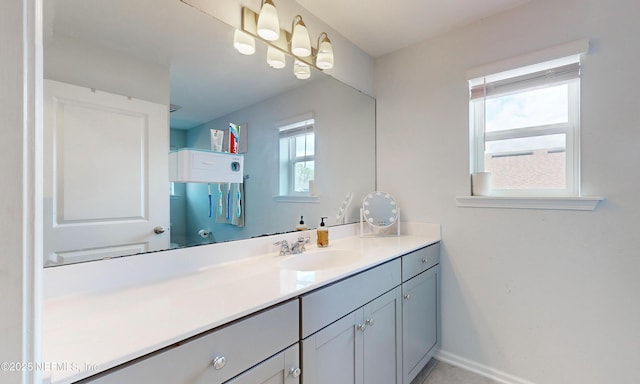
(437, 372)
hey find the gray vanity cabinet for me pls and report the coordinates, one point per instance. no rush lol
(379, 326)
(362, 347)
(252, 345)
(420, 309)
(352, 329)
(326, 305)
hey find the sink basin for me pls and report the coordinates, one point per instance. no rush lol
(320, 259)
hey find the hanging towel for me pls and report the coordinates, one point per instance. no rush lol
(230, 204)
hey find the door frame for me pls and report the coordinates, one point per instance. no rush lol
(21, 221)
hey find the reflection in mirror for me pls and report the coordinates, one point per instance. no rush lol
(112, 70)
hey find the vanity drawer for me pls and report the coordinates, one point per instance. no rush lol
(322, 307)
(419, 261)
(243, 344)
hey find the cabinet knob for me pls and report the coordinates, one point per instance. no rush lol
(159, 229)
(361, 327)
(219, 362)
(295, 372)
(369, 322)
(407, 297)
(424, 260)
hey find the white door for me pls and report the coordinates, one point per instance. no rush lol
(106, 183)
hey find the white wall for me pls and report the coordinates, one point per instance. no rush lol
(546, 296)
(18, 329)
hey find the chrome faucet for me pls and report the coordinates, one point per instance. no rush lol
(284, 247)
(299, 246)
(294, 248)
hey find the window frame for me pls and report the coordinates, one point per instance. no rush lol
(478, 136)
(287, 172)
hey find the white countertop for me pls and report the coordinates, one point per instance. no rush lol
(91, 330)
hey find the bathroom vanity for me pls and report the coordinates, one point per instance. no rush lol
(371, 319)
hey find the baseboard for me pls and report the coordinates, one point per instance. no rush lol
(480, 369)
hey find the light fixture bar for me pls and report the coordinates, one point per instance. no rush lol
(250, 25)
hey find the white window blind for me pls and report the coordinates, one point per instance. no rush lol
(297, 128)
(546, 77)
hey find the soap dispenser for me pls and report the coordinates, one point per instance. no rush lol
(301, 226)
(323, 234)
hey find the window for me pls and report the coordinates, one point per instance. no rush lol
(525, 129)
(297, 158)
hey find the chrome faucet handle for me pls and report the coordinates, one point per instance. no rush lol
(298, 246)
(284, 247)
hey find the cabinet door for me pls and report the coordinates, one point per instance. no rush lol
(363, 347)
(330, 356)
(420, 321)
(283, 368)
(382, 341)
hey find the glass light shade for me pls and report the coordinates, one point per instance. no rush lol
(275, 58)
(244, 42)
(268, 23)
(301, 70)
(324, 59)
(300, 42)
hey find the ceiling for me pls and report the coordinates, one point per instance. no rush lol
(380, 27)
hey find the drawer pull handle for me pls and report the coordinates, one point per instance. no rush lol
(361, 327)
(425, 260)
(407, 297)
(295, 372)
(219, 362)
(370, 322)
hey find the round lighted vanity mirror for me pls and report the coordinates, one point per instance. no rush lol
(379, 209)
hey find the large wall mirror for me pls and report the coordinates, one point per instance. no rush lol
(114, 69)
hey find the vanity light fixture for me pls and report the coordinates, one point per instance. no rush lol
(301, 70)
(244, 42)
(295, 43)
(275, 58)
(324, 58)
(268, 26)
(300, 41)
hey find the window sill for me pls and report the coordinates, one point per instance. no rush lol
(573, 203)
(296, 199)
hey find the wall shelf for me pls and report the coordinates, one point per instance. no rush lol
(574, 203)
